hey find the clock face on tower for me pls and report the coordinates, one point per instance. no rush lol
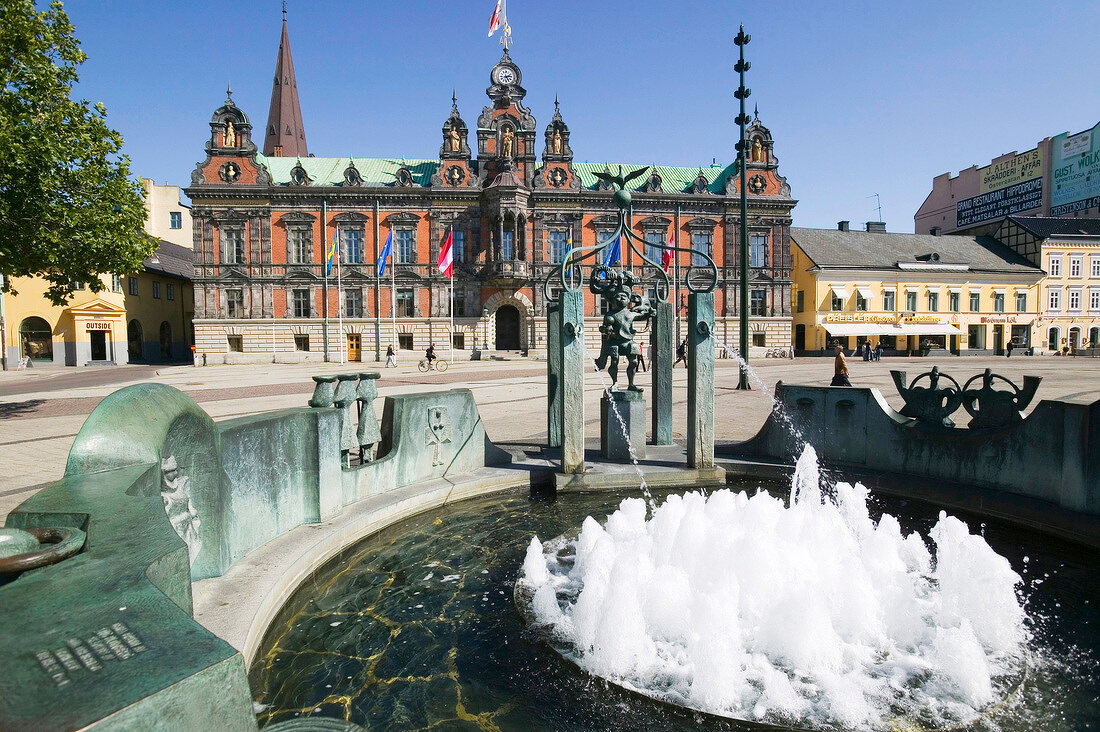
(505, 75)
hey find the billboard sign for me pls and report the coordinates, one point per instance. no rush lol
(1017, 169)
(1075, 172)
(1001, 202)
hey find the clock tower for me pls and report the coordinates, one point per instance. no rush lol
(506, 128)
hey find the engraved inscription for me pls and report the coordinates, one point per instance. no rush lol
(116, 643)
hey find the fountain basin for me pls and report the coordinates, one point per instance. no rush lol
(421, 618)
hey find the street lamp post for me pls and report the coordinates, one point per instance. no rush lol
(742, 93)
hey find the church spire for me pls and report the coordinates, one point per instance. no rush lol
(285, 135)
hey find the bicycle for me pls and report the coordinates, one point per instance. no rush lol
(437, 365)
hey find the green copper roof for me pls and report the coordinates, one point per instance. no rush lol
(673, 180)
(383, 171)
(330, 171)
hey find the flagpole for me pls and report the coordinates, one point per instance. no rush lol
(340, 300)
(393, 299)
(324, 298)
(377, 287)
(451, 301)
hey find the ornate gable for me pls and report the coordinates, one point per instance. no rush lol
(230, 152)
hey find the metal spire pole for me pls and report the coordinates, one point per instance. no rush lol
(742, 119)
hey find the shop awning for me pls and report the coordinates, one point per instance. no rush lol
(839, 292)
(955, 290)
(924, 329)
(852, 329)
(864, 292)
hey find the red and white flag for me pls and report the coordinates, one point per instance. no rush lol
(446, 262)
(666, 256)
(496, 18)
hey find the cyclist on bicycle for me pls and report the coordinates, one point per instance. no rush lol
(430, 354)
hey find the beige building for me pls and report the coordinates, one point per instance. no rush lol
(1059, 177)
(167, 218)
(909, 292)
(140, 317)
(1068, 250)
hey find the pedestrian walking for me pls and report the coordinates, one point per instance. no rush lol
(1008, 351)
(681, 354)
(641, 361)
(865, 349)
(840, 367)
(391, 359)
(878, 351)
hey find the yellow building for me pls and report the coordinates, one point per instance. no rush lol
(144, 317)
(908, 292)
(1068, 250)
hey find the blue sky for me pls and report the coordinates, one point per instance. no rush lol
(861, 98)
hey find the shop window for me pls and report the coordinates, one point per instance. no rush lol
(888, 304)
(975, 335)
(301, 342)
(1052, 338)
(300, 299)
(998, 302)
(36, 339)
(235, 343)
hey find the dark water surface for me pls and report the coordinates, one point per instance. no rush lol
(415, 628)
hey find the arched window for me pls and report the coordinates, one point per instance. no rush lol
(134, 340)
(165, 340)
(36, 339)
(1052, 339)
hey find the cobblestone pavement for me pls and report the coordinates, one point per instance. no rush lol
(42, 410)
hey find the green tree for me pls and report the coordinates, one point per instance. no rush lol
(68, 208)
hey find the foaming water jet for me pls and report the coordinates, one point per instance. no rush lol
(807, 612)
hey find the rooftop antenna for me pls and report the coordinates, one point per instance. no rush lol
(878, 204)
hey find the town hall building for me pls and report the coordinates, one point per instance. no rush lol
(515, 201)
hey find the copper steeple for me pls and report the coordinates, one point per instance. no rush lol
(286, 135)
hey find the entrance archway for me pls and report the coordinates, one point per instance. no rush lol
(507, 335)
(36, 339)
(134, 340)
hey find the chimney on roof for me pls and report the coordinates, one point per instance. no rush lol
(842, 226)
(935, 231)
(878, 227)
